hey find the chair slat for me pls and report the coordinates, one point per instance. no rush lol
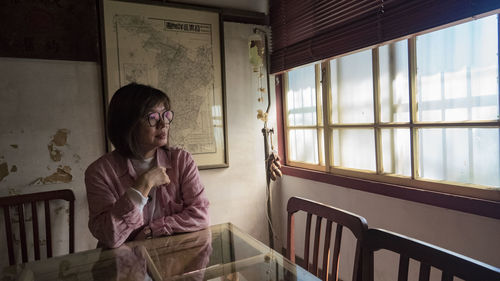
(290, 238)
(22, 232)
(446, 277)
(368, 264)
(357, 272)
(356, 224)
(71, 226)
(48, 234)
(428, 255)
(404, 265)
(336, 251)
(307, 241)
(326, 250)
(36, 238)
(8, 233)
(18, 201)
(425, 272)
(317, 233)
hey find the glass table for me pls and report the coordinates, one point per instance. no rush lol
(221, 252)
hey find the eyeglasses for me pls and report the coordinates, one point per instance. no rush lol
(154, 117)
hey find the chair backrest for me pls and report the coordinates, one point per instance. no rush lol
(18, 202)
(341, 218)
(450, 263)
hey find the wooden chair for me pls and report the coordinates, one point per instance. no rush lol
(450, 263)
(18, 202)
(356, 224)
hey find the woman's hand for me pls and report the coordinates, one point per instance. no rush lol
(154, 177)
(274, 166)
(145, 233)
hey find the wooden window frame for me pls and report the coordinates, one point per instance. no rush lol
(478, 200)
(318, 127)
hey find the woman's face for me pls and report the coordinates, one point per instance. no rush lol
(151, 137)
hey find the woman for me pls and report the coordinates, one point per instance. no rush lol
(144, 188)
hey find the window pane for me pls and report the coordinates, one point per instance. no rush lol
(464, 155)
(457, 72)
(352, 88)
(394, 86)
(354, 148)
(301, 97)
(303, 145)
(321, 146)
(396, 153)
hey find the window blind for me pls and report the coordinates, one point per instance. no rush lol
(306, 31)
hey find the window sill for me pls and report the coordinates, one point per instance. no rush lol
(470, 205)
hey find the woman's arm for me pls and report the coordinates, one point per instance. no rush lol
(112, 217)
(194, 215)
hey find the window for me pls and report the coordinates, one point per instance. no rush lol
(304, 120)
(423, 111)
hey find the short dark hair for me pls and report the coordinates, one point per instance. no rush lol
(128, 105)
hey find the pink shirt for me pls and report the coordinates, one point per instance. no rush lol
(181, 206)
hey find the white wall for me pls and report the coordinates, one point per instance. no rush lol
(467, 234)
(237, 193)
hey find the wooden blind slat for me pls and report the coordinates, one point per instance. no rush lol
(333, 18)
(308, 31)
(304, 21)
(345, 40)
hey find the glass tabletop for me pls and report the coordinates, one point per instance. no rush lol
(220, 252)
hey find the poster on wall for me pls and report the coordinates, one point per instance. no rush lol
(179, 51)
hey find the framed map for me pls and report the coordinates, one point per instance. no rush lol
(179, 51)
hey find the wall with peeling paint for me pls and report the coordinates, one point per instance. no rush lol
(51, 128)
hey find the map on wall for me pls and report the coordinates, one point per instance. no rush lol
(177, 51)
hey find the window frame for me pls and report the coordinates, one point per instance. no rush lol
(421, 190)
(319, 125)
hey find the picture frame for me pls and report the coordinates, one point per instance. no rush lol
(179, 50)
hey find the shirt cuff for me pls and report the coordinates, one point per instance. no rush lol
(137, 198)
(161, 226)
